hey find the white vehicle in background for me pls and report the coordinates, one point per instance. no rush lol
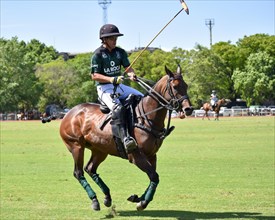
(254, 110)
(198, 113)
(259, 110)
(224, 111)
(239, 111)
(271, 109)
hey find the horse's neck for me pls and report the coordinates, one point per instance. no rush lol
(220, 102)
(154, 116)
(150, 104)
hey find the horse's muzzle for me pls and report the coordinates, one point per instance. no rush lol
(186, 112)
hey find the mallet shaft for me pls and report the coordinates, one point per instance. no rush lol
(184, 7)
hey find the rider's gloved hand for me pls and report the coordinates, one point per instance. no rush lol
(117, 80)
(132, 76)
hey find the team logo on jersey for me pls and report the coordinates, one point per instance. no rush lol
(118, 55)
(112, 63)
(113, 68)
(104, 55)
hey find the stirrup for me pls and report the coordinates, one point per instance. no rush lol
(130, 144)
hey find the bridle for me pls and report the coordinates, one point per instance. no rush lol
(174, 104)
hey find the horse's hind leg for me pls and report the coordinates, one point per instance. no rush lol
(91, 167)
(207, 115)
(78, 155)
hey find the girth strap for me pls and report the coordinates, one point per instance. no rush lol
(157, 134)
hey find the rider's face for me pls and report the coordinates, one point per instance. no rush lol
(110, 42)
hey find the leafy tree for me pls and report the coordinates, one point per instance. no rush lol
(258, 43)
(142, 68)
(181, 57)
(205, 73)
(85, 89)
(58, 80)
(230, 58)
(39, 53)
(255, 44)
(143, 65)
(19, 88)
(160, 59)
(257, 81)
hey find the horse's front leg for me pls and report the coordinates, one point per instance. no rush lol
(96, 159)
(216, 116)
(139, 159)
(203, 115)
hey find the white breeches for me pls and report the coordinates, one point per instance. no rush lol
(104, 93)
(213, 101)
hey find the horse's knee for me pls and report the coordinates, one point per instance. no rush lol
(154, 177)
(78, 173)
(87, 170)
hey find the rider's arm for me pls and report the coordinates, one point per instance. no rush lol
(100, 78)
(126, 64)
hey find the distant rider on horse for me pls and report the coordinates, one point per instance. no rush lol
(106, 64)
(213, 99)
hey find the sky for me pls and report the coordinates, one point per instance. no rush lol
(73, 26)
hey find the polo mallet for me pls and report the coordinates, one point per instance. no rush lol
(185, 8)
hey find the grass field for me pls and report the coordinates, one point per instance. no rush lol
(208, 170)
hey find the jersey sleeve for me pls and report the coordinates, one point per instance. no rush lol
(125, 60)
(96, 66)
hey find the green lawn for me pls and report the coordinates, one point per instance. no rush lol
(208, 170)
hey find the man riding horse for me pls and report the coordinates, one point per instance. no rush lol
(213, 99)
(106, 71)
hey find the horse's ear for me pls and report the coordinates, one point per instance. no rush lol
(179, 70)
(168, 72)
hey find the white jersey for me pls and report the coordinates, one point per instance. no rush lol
(214, 99)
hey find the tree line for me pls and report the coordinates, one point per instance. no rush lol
(34, 75)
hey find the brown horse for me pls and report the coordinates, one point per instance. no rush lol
(207, 107)
(81, 129)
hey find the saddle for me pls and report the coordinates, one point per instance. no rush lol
(129, 104)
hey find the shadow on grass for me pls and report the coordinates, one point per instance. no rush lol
(180, 215)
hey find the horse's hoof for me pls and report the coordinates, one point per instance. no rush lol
(95, 204)
(134, 198)
(142, 205)
(107, 201)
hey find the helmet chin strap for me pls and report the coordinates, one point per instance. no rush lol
(106, 45)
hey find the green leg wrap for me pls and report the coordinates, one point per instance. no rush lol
(143, 195)
(101, 184)
(149, 192)
(87, 187)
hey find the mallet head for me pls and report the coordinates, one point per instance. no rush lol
(184, 6)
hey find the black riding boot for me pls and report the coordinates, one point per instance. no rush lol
(119, 128)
